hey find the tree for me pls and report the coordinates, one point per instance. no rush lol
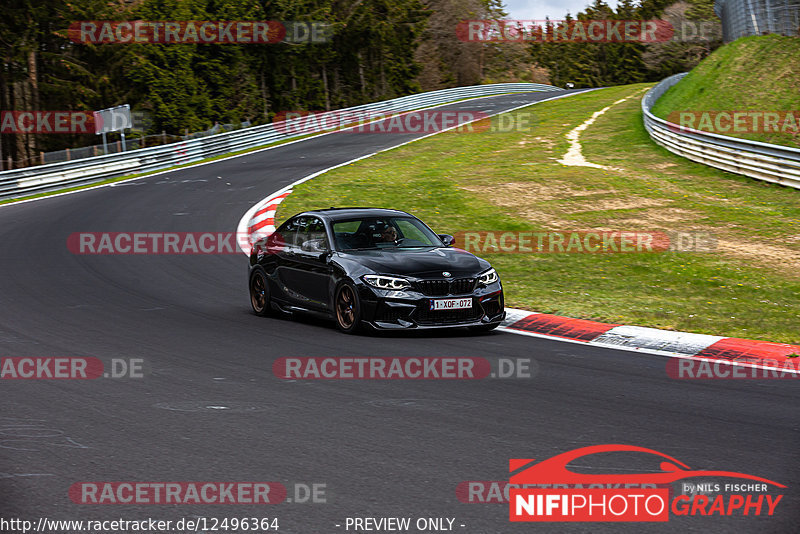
(590, 64)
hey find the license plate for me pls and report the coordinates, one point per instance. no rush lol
(451, 304)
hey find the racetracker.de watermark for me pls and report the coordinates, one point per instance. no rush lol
(728, 122)
(401, 122)
(199, 32)
(46, 122)
(402, 368)
(69, 368)
(498, 491)
(706, 369)
(587, 31)
(584, 242)
(156, 243)
(177, 493)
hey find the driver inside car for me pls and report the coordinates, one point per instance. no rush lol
(389, 234)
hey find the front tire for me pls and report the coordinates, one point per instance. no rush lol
(259, 293)
(347, 308)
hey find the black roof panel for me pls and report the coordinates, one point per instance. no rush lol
(351, 213)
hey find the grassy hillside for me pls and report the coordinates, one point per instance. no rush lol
(753, 73)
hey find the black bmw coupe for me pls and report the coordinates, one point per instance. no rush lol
(373, 267)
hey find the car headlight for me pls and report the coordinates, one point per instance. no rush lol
(489, 277)
(386, 282)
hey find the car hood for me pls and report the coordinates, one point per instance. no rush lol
(423, 262)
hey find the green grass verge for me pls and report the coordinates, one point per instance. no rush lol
(455, 182)
(750, 74)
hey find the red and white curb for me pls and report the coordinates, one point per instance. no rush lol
(715, 349)
(259, 221)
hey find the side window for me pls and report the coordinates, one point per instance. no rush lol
(284, 237)
(311, 236)
(316, 231)
(302, 232)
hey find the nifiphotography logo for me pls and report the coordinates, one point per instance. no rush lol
(550, 491)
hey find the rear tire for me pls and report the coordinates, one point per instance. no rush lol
(347, 308)
(259, 293)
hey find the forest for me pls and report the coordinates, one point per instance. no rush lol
(373, 50)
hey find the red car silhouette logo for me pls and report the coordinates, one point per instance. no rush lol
(554, 470)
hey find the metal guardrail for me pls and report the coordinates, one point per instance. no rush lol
(20, 182)
(763, 161)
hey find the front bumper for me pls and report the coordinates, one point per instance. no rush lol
(410, 309)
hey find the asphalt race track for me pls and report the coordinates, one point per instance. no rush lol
(210, 409)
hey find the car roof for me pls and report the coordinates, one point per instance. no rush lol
(335, 214)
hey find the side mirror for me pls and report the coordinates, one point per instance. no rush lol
(447, 239)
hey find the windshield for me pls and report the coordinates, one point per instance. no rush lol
(383, 232)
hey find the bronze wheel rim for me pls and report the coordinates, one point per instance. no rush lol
(346, 307)
(258, 292)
